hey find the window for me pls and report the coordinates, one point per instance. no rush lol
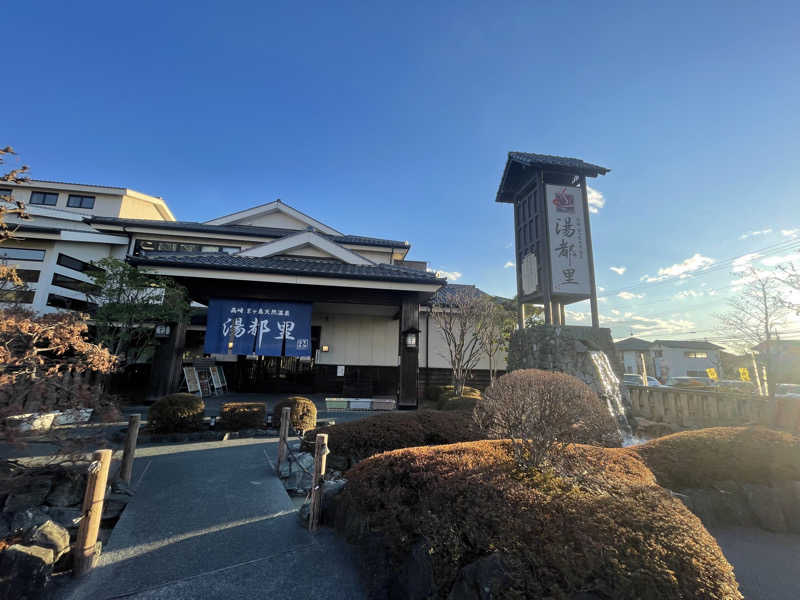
(159, 246)
(71, 283)
(57, 301)
(76, 265)
(696, 354)
(696, 373)
(17, 296)
(21, 254)
(44, 198)
(78, 201)
(5, 193)
(28, 275)
(658, 353)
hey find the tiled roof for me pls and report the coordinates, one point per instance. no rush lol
(288, 265)
(575, 165)
(244, 230)
(633, 343)
(443, 294)
(693, 344)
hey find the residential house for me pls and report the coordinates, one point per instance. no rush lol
(785, 359)
(684, 358)
(631, 351)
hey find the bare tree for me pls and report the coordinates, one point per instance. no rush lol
(755, 315)
(7, 206)
(541, 413)
(495, 333)
(789, 276)
(460, 314)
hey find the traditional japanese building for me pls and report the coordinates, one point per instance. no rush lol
(292, 302)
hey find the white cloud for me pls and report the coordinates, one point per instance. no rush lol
(619, 270)
(681, 270)
(754, 233)
(600, 288)
(773, 261)
(596, 199)
(743, 262)
(508, 265)
(602, 299)
(790, 232)
(509, 244)
(688, 294)
(449, 275)
(615, 312)
(629, 295)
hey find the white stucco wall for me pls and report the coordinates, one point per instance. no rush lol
(675, 363)
(433, 353)
(353, 339)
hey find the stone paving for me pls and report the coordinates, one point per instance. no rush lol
(212, 520)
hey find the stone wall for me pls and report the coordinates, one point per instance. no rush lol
(566, 349)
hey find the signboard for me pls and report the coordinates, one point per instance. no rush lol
(255, 327)
(192, 381)
(566, 225)
(744, 374)
(712, 373)
(530, 275)
(215, 379)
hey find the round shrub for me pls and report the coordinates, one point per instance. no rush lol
(304, 413)
(177, 413)
(602, 529)
(447, 399)
(243, 415)
(694, 459)
(356, 440)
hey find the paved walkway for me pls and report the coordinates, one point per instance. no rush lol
(212, 520)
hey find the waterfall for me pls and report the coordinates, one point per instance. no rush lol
(610, 391)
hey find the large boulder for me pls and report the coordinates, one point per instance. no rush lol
(67, 491)
(67, 517)
(49, 535)
(27, 519)
(24, 572)
(33, 493)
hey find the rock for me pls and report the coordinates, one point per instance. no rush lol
(33, 494)
(49, 535)
(482, 579)
(298, 472)
(651, 429)
(25, 571)
(113, 507)
(28, 519)
(330, 492)
(120, 487)
(68, 491)
(304, 513)
(65, 516)
(766, 506)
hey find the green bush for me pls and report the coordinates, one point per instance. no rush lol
(603, 529)
(304, 413)
(444, 397)
(177, 413)
(243, 415)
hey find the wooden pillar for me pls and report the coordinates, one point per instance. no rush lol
(86, 543)
(543, 254)
(563, 316)
(166, 367)
(590, 253)
(320, 458)
(126, 470)
(409, 357)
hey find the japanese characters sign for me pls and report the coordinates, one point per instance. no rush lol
(256, 327)
(566, 225)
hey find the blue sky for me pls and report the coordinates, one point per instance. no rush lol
(395, 120)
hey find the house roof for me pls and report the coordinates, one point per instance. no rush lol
(778, 344)
(443, 294)
(243, 230)
(288, 265)
(693, 344)
(574, 165)
(633, 343)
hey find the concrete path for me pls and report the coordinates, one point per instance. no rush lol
(212, 520)
(765, 563)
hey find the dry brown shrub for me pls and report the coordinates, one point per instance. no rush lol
(243, 415)
(606, 528)
(744, 454)
(541, 413)
(177, 413)
(356, 440)
(303, 415)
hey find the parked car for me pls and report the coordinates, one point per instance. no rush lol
(787, 390)
(653, 382)
(691, 383)
(632, 379)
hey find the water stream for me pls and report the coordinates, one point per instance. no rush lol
(611, 393)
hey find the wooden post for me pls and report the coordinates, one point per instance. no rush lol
(86, 543)
(320, 454)
(126, 470)
(283, 444)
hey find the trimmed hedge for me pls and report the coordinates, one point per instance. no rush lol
(177, 413)
(243, 415)
(356, 440)
(304, 413)
(692, 459)
(604, 529)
